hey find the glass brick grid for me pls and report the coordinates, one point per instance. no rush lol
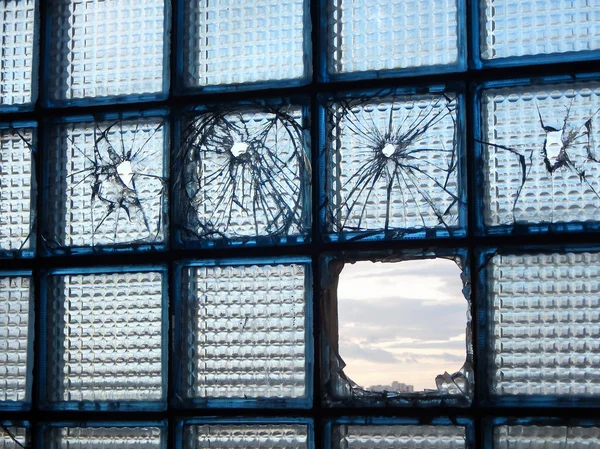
(401, 436)
(542, 437)
(540, 154)
(20, 434)
(518, 28)
(16, 176)
(17, 23)
(392, 34)
(15, 295)
(105, 337)
(228, 42)
(246, 334)
(241, 436)
(107, 183)
(393, 164)
(106, 48)
(141, 437)
(546, 323)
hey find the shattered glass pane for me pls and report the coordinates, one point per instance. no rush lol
(246, 436)
(105, 337)
(12, 437)
(542, 437)
(245, 327)
(540, 147)
(108, 183)
(391, 34)
(106, 48)
(545, 324)
(245, 174)
(16, 195)
(393, 165)
(400, 437)
(17, 23)
(523, 27)
(104, 437)
(232, 42)
(15, 294)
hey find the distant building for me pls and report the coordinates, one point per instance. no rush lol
(396, 386)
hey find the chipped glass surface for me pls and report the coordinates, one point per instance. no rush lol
(15, 342)
(393, 166)
(543, 437)
(391, 34)
(545, 324)
(540, 154)
(13, 437)
(17, 194)
(228, 42)
(17, 26)
(245, 329)
(105, 337)
(523, 27)
(245, 436)
(107, 184)
(141, 437)
(399, 437)
(244, 176)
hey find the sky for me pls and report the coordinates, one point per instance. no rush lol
(402, 321)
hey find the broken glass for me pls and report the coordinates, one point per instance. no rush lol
(105, 338)
(387, 329)
(544, 324)
(541, 437)
(104, 437)
(106, 48)
(107, 184)
(13, 437)
(392, 34)
(17, 189)
(18, 29)
(229, 42)
(244, 175)
(245, 329)
(393, 166)
(539, 146)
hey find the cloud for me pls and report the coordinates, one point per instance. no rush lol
(377, 355)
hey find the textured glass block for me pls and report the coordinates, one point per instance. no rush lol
(12, 437)
(106, 48)
(540, 152)
(524, 27)
(232, 42)
(105, 337)
(245, 331)
(245, 175)
(391, 34)
(16, 196)
(15, 294)
(104, 437)
(545, 324)
(107, 183)
(392, 165)
(245, 436)
(546, 437)
(401, 437)
(17, 23)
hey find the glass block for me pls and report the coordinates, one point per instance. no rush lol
(13, 437)
(522, 27)
(400, 437)
(106, 48)
(107, 183)
(15, 295)
(391, 34)
(104, 437)
(539, 154)
(105, 337)
(228, 42)
(16, 191)
(545, 319)
(245, 436)
(543, 437)
(245, 176)
(18, 23)
(393, 166)
(245, 329)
